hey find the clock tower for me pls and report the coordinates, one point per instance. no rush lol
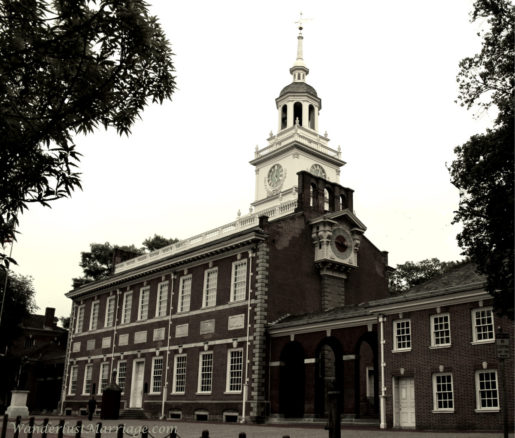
(297, 146)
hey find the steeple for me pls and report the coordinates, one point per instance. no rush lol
(299, 70)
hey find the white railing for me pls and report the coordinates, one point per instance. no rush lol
(300, 135)
(242, 223)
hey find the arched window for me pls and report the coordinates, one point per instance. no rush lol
(312, 195)
(297, 113)
(311, 116)
(284, 116)
(327, 199)
(343, 202)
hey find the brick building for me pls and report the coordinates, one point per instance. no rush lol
(260, 317)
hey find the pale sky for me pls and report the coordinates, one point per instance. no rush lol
(386, 74)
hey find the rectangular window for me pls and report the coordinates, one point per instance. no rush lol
(157, 374)
(239, 280)
(120, 375)
(88, 382)
(143, 303)
(234, 370)
(483, 325)
(111, 301)
(184, 294)
(487, 394)
(210, 284)
(179, 374)
(162, 299)
(402, 335)
(93, 320)
(440, 330)
(205, 376)
(443, 394)
(127, 307)
(79, 326)
(72, 390)
(104, 377)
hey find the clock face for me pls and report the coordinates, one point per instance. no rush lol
(275, 176)
(341, 243)
(317, 170)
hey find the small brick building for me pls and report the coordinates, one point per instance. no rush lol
(259, 318)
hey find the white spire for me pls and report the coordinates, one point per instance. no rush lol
(299, 69)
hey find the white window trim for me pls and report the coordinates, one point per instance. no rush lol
(180, 309)
(118, 374)
(111, 299)
(124, 307)
(433, 338)
(479, 408)
(204, 294)
(143, 292)
(93, 321)
(228, 374)
(154, 360)
(199, 383)
(394, 325)
(233, 278)
(162, 288)
(80, 309)
(436, 409)
(175, 361)
(90, 367)
(99, 391)
(73, 368)
(474, 331)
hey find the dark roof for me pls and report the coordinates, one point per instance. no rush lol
(298, 87)
(34, 321)
(459, 275)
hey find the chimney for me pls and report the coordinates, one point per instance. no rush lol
(49, 317)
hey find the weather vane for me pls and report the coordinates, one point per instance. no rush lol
(301, 22)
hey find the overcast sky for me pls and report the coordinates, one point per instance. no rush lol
(386, 74)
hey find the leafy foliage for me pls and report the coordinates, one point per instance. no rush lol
(410, 274)
(19, 303)
(483, 169)
(67, 68)
(157, 241)
(99, 261)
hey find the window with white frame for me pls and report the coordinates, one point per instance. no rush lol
(184, 294)
(239, 280)
(483, 325)
(157, 374)
(179, 374)
(402, 335)
(205, 375)
(110, 303)
(93, 320)
(234, 370)
(121, 374)
(440, 330)
(487, 394)
(88, 379)
(79, 323)
(143, 303)
(162, 299)
(72, 389)
(443, 393)
(127, 307)
(210, 284)
(103, 380)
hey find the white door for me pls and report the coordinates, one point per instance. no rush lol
(138, 367)
(406, 402)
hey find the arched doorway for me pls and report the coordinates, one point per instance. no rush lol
(365, 376)
(292, 381)
(328, 374)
